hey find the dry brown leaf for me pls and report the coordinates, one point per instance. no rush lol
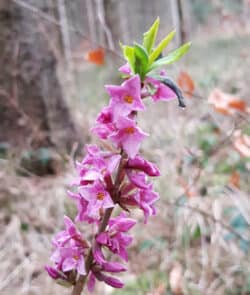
(186, 83)
(96, 56)
(242, 144)
(235, 179)
(225, 103)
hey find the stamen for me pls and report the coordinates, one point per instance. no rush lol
(103, 171)
(129, 130)
(76, 257)
(128, 98)
(100, 196)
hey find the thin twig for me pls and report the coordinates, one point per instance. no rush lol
(54, 21)
(208, 216)
(101, 18)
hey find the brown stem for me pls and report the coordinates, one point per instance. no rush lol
(80, 283)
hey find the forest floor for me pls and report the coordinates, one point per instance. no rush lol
(199, 242)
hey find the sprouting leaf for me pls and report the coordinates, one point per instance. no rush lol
(141, 60)
(129, 54)
(171, 57)
(150, 36)
(162, 45)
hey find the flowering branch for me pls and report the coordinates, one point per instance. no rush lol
(117, 178)
(82, 278)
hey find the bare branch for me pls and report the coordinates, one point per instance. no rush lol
(101, 18)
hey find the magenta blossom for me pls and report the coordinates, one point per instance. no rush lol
(69, 258)
(111, 281)
(145, 199)
(125, 69)
(126, 98)
(160, 91)
(115, 237)
(102, 264)
(98, 199)
(139, 163)
(139, 179)
(70, 249)
(70, 236)
(55, 273)
(104, 161)
(82, 206)
(128, 136)
(104, 123)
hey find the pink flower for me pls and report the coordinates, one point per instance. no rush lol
(111, 281)
(115, 238)
(70, 236)
(160, 91)
(98, 199)
(104, 123)
(125, 69)
(138, 178)
(139, 197)
(126, 98)
(145, 199)
(104, 265)
(138, 163)
(70, 249)
(104, 161)
(54, 273)
(128, 136)
(69, 258)
(137, 170)
(82, 206)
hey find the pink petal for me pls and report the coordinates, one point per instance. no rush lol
(91, 282)
(81, 266)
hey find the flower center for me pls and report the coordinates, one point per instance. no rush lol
(100, 196)
(128, 98)
(76, 257)
(104, 171)
(129, 130)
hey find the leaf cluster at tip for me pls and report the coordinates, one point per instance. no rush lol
(145, 57)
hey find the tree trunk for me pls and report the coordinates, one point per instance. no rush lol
(179, 20)
(32, 110)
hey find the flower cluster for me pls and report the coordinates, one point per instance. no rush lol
(117, 176)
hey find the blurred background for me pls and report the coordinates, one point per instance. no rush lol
(55, 58)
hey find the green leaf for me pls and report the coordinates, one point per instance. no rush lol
(63, 283)
(141, 60)
(24, 226)
(196, 232)
(162, 45)
(172, 57)
(129, 54)
(150, 36)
